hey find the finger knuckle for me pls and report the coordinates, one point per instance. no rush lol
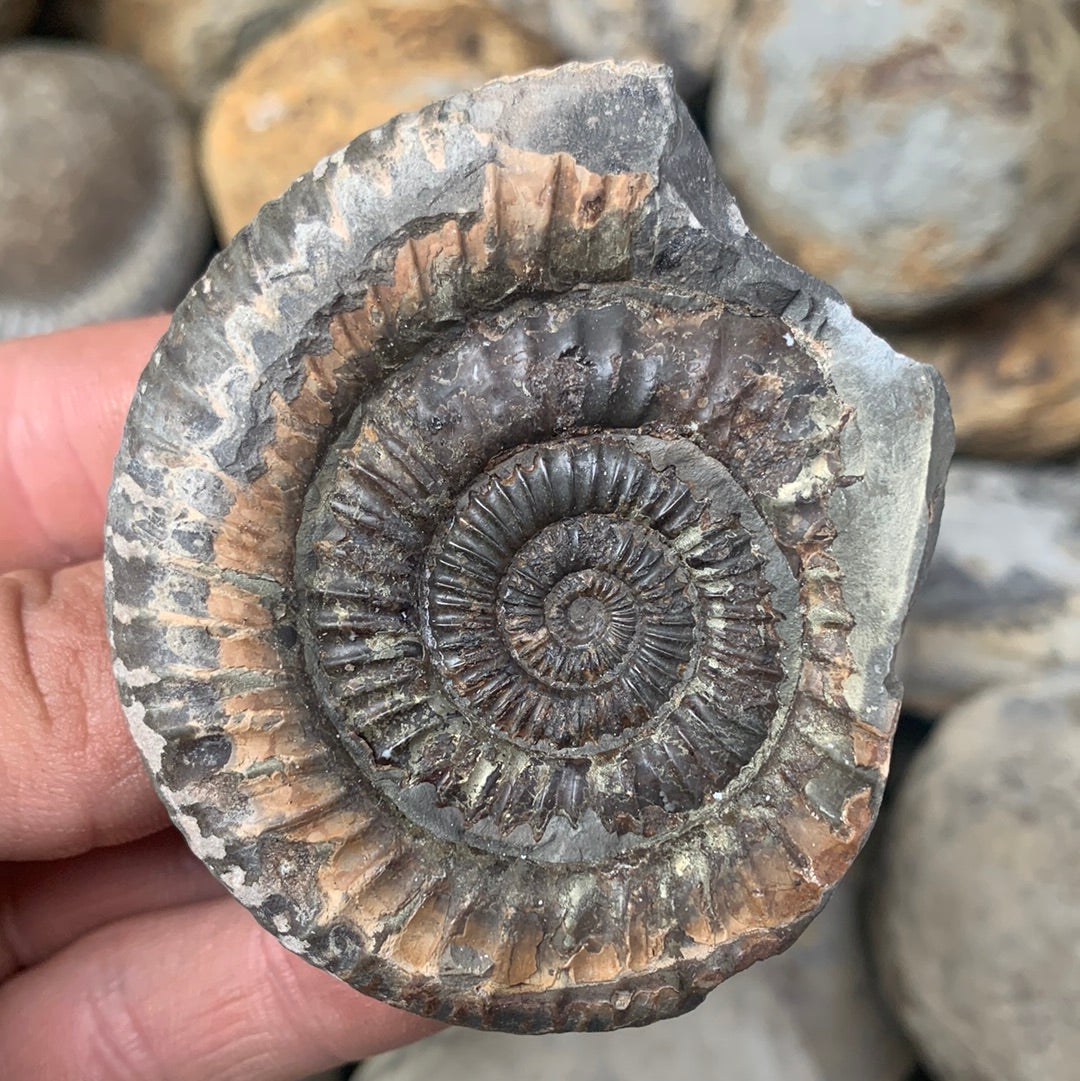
(64, 745)
(110, 1039)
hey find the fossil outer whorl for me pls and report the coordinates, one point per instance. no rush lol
(505, 561)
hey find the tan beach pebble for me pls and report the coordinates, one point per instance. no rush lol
(347, 66)
(913, 154)
(1012, 367)
(16, 16)
(684, 34)
(192, 45)
(977, 911)
(101, 208)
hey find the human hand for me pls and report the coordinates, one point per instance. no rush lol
(120, 956)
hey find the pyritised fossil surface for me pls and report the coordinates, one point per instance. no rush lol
(505, 561)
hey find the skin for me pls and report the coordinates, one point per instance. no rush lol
(121, 958)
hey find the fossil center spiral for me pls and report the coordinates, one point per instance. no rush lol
(557, 610)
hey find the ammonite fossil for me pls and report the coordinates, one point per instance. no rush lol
(505, 561)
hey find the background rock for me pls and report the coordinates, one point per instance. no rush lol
(192, 45)
(345, 67)
(69, 18)
(810, 1014)
(102, 213)
(16, 16)
(914, 155)
(1000, 601)
(1012, 367)
(685, 34)
(978, 911)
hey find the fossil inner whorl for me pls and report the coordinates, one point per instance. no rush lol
(585, 607)
(520, 626)
(557, 609)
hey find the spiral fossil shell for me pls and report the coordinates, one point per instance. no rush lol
(505, 559)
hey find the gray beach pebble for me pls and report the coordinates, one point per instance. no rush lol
(913, 154)
(1001, 599)
(102, 214)
(684, 34)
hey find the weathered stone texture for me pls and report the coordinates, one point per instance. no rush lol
(102, 212)
(912, 154)
(506, 559)
(977, 914)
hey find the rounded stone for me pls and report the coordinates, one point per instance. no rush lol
(191, 45)
(341, 69)
(914, 155)
(684, 34)
(16, 17)
(977, 914)
(103, 216)
(1000, 601)
(1011, 367)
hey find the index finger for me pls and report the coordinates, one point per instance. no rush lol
(63, 399)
